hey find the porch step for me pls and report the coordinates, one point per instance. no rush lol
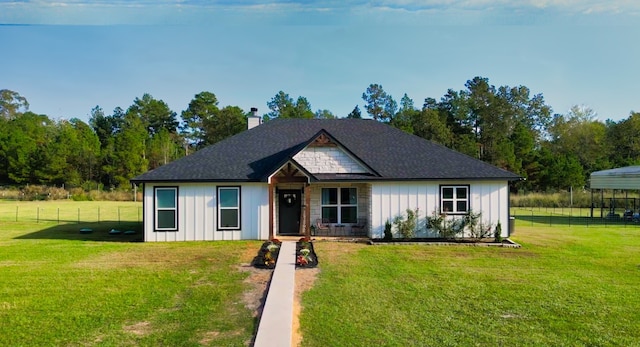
(275, 327)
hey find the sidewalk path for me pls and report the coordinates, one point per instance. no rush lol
(275, 327)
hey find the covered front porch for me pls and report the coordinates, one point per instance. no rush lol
(321, 209)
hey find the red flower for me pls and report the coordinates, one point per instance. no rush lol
(302, 261)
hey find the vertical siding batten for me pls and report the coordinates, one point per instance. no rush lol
(197, 207)
(197, 214)
(391, 199)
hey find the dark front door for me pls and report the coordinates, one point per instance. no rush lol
(289, 209)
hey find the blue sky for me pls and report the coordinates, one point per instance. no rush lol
(66, 57)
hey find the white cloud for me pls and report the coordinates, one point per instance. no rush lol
(183, 11)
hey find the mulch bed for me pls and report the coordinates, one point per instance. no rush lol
(311, 260)
(267, 256)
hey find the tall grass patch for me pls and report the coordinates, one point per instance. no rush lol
(40, 193)
(577, 198)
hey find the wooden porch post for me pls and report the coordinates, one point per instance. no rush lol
(307, 209)
(271, 188)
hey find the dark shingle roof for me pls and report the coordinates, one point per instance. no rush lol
(392, 154)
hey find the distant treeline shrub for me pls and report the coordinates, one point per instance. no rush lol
(79, 194)
(558, 199)
(10, 193)
(35, 192)
(39, 192)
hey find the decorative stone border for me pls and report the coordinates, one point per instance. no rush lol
(506, 243)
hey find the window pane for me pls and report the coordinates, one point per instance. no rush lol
(348, 196)
(330, 213)
(349, 214)
(166, 219)
(229, 197)
(461, 206)
(229, 218)
(447, 206)
(461, 193)
(447, 193)
(165, 198)
(329, 196)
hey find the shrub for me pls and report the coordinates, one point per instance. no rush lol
(406, 225)
(388, 235)
(36, 192)
(55, 193)
(580, 198)
(477, 228)
(33, 192)
(448, 228)
(78, 194)
(40, 192)
(10, 193)
(498, 232)
(305, 244)
(272, 247)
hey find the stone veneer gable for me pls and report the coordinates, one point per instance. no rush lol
(328, 160)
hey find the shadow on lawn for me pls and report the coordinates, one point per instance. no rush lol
(101, 231)
(575, 220)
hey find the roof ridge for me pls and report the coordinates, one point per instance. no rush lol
(387, 152)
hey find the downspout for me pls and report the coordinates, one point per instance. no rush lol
(509, 231)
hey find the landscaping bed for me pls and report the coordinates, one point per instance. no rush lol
(269, 251)
(490, 242)
(305, 254)
(267, 255)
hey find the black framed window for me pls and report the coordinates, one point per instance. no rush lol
(228, 208)
(166, 208)
(340, 205)
(454, 199)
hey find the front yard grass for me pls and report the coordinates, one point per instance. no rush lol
(567, 286)
(58, 289)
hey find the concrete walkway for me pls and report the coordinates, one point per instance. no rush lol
(275, 327)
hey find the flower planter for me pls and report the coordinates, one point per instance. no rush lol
(267, 255)
(269, 251)
(305, 254)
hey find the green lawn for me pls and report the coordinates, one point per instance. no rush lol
(70, 211)
(558, 216)
(567, 286)
(62, 288)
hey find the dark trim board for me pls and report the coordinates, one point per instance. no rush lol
(177, 217)
(218, 227)
(469, 209)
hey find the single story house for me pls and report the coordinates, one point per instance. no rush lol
(331, 176)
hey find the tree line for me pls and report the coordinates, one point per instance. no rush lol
(505, 126)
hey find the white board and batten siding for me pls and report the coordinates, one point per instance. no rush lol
(391, 199)
(197, 213)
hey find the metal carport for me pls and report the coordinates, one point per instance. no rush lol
(623, 178)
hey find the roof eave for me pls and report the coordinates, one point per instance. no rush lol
(196, 180)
